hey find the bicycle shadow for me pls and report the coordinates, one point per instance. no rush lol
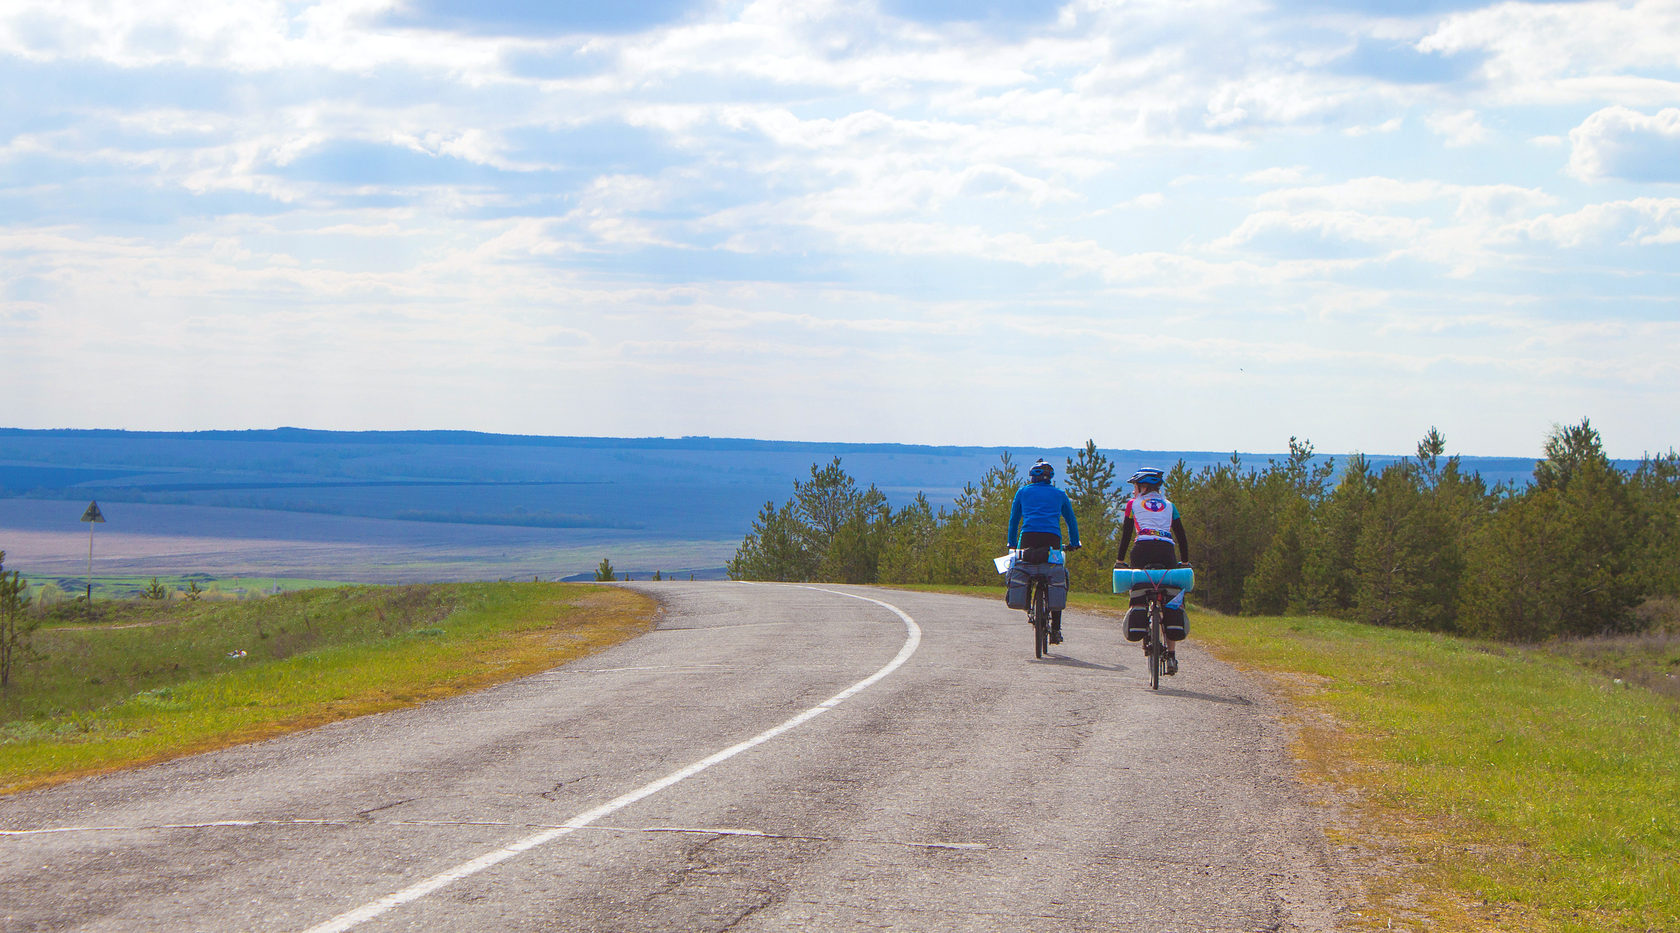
(1065, 661)
(1211, 698)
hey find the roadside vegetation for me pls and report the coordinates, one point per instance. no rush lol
(1509, 787)
(148, 679)
(1584, 549)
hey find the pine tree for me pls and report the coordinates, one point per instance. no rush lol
(1090, 484)
(829, 530)
(1327, 577)
(976, 528)
(1517, 590)
(17, 627)
(1402, 577)
(1655, 491)
(1568, 449)
(1559, 560)
(1226, 533)
(908, 541)
(1286, 494)
(775, 548)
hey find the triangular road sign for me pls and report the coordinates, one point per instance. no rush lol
(92, 514)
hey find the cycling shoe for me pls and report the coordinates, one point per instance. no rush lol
(1172, 663)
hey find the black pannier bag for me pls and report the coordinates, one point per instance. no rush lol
(1174, 624)
(1016, 581)
(1137, 623)
(1055, 596)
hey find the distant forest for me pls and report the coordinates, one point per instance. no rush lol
(1584, 547)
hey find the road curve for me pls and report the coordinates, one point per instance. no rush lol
(772, 757)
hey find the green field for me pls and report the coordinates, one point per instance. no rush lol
(144, 680)
(177, 586)
(1477, 785)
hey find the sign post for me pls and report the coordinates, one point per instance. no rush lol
(91, 516)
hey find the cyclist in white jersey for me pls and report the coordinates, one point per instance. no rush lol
(1154, 522)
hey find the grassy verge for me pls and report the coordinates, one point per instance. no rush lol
(155, 680)
(1487, 786)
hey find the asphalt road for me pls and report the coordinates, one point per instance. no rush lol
(771, 758)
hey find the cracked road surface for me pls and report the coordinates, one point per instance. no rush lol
(973, 788)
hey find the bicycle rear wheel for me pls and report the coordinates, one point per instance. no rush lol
(1157, 650)
(1041, 621)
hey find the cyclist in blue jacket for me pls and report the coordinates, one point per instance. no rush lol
(1035, 520)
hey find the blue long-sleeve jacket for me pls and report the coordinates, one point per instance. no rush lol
(1040, 507)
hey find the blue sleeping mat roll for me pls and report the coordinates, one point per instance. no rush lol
(1180, 578)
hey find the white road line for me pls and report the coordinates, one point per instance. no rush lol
(366, 912)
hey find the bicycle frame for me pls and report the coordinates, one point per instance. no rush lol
(1159, 586)
(1038, 611)
(1157, 643)
(1157, 594)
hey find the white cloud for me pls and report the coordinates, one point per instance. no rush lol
(1387, 126)
(1278, 175)
(1543, 53)
(1368, 193)
(1638, 222)
(1312, 230)
(1481, 205)
(1617, 142)
(1463, 128)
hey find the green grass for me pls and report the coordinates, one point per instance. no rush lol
(130, 586)
(1534, 792)
(152, 680)
(1503, 787)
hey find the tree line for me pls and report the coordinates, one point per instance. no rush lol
(1583, 548)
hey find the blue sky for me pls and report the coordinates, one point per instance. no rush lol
(1180, 225)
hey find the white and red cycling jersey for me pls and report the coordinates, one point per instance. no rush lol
(1152, 515)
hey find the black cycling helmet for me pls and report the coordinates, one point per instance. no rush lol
(1041, 472)
(1148, 476)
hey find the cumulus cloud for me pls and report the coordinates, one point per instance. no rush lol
(1368, 193)
(1543, 53)
(1463, 128)
(1327, 233)
(1617, 142)
(1637, 222)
